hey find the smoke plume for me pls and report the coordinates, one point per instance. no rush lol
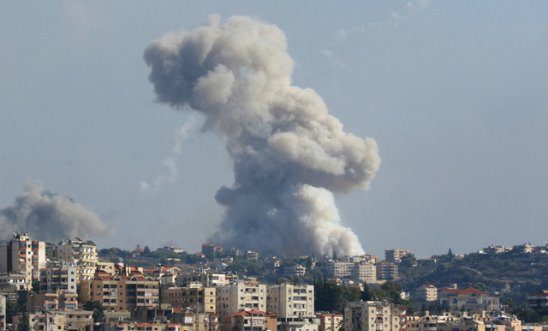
(170, 162)
(289, 154)
(48, 216)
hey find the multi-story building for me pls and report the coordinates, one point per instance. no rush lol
(290, 302)
(373, 316)
(121, 293)
(202, 278)
(330, 322)
(251, 320)
(428, 293)
(538, 300)
(78, 320)
(46, 321)
(58, 300)
(58, 275)
(365, 272)
(469, 299)
(18, 282)
(340, 269)
(200, 298)
(395, 255)
(2, 312)
(387, 270)
(296, 270)
(240, 296)
(22, 255)
(210, 250)
(83, 253)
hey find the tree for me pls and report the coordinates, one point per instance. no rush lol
(97, 308)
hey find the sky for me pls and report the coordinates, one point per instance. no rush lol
(454, 93)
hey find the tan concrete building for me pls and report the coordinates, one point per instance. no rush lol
(2, 312)
(365, 272)
(428, 293)
(330, 322)
(372, 316)
(251, 320)
(121, 292)
(202, 299)
(395, 255)
(23, 255)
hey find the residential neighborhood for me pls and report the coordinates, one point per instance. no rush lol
(74, 285)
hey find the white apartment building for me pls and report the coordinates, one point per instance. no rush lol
(291, 301)
(240, 296)
(83, 253)
(372, 316)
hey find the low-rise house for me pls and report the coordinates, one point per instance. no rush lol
(251, 320)
(469, 299)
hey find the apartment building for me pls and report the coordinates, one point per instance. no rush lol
(58, 275)
(83, 253)
(395, 255)
(330, 322)
(49, 321)
(251, 320)
(290, 302)
(202, 299)
(340, 269)
(387, 270)
(58, 300)
(202, 279)
(428, 293)
(81, 320)
(365, 272)
(296, 270)
(2, 312)
(538, 300)
(372, 316)
(240, 296)
(22, 255)
(121, 293)
(469, 299)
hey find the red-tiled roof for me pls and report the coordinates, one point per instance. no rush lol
(463, 291)
(249, 312)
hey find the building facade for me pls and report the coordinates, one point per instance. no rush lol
(241, 296)
(372, 316)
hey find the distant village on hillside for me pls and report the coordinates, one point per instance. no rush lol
(73, 285)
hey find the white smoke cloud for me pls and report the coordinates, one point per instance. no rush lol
(289, 153)
(170, 162)
(48, 216)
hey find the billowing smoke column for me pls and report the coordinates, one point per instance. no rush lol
(47, 216)
(289, 154)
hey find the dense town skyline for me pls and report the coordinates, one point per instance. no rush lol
(454, 94)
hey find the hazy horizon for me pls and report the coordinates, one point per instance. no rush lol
(455, 95)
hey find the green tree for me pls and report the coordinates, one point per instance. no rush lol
(97, 308)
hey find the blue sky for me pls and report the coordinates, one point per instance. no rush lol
(455, 93)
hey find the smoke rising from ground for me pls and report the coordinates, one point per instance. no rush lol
(289, 154)
(48, 216)
(170, 162)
